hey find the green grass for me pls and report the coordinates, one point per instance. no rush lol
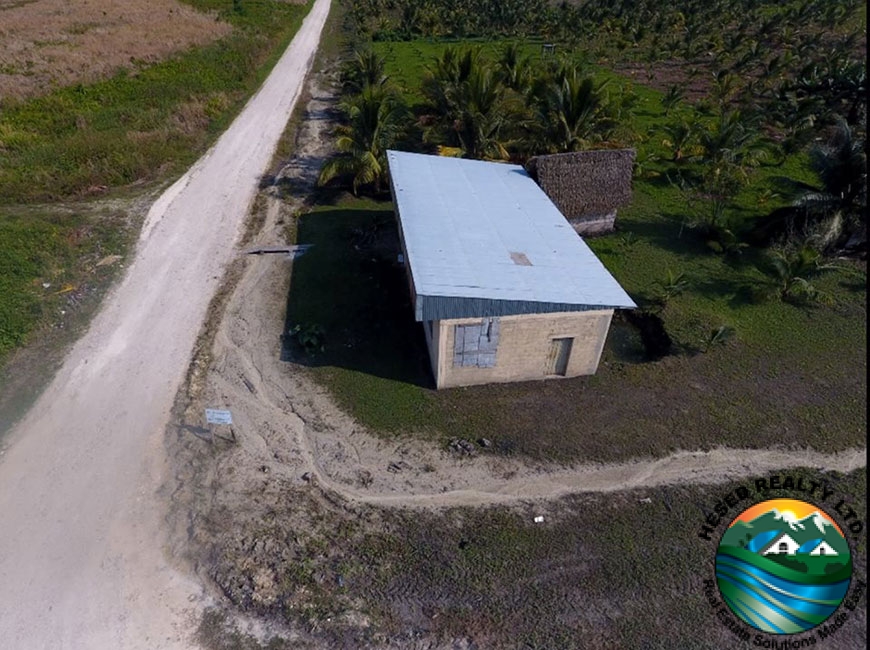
(141, 125)
(793, 375)
(44, 248)
(136, 127)
(372, 348)
(619, 570)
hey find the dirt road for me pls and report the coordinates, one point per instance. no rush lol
(81, 558)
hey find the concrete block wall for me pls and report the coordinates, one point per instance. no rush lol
(594, 224)
(523, 347)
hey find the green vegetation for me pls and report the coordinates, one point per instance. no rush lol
(778, 77)
(778, 373)
(619, 570)
(139, 126)
(768, 335)
(87, 140)
(376, 118)
(47, 261)
(350, 287)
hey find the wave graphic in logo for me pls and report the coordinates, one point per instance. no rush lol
(783, 566)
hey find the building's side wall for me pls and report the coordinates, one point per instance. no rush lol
(594, 224)
(524, 347)
(432, 330)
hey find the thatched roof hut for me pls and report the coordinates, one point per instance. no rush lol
(586, 186)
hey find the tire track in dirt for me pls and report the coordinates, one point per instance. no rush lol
(334, 452)
(82, 562)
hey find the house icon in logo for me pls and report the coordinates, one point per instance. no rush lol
(784, 544)
(781, 545)
(823, 549)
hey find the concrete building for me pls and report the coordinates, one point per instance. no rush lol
(504, 287)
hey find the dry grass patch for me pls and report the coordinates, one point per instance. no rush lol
(46, 44)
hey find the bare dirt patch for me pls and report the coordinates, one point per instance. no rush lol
(693, 78)
(92, 552)
(338, 538)
(46, 44)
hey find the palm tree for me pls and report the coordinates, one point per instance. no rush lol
(568, 111)
(681, 136)
(365, 68)
(842, 198)
(481, 115)
(467, 102)
(839, 84)
(732, 142)
(791, 272)
(673, 97)
(376, 118)
(441, 81)
(515, 70)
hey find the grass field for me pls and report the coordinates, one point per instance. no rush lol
(614, 571)
(792, 375)
(47, 259)
(48, 44)
(138, 126)
(113, 138)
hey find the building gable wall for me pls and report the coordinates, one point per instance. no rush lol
(524, 345)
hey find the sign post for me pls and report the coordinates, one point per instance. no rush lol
(218, 416)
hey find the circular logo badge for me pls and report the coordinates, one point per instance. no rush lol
(783, 566)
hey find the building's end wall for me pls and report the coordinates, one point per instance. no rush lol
(524, 347)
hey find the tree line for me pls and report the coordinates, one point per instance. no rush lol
(783, 80)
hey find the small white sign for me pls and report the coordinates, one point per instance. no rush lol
(216, 416)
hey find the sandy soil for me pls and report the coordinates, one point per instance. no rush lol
(81, 549)
(287, 427)
(297, 462)
(50, 43)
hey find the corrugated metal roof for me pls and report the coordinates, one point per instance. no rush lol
(482, 239)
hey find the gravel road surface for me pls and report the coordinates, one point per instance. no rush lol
(81, 525)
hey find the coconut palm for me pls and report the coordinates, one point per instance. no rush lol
(732, 143)
(467, 103)
(681, 137)
(375, 121)
(515, 69)
(841, 201)
(481, 115)
(447, 73)
(673, 97)
(568, 111)
(365, 68)
(790, 273)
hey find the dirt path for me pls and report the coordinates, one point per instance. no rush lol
(288, 428)
(81, 529)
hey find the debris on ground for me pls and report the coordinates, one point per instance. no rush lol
(461, 446)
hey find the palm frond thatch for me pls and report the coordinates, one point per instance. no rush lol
(585, 184)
